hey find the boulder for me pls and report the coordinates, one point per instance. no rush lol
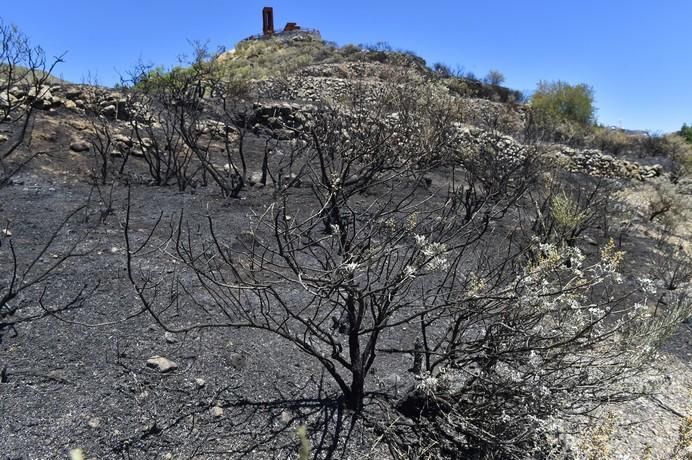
(74, 93)
(68, 104)
(109, 111)
(162, 364)
(80, 146)
(17, 92)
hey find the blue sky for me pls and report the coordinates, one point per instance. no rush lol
(635, 54)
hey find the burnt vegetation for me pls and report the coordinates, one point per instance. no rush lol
(491, 281)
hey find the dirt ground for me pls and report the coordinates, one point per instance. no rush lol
(80, 379)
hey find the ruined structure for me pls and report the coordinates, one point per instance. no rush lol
(291, 26)
(268, 21)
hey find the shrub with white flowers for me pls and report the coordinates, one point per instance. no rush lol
(560, 338)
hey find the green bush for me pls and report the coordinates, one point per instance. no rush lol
(562, 102)
(686, 133)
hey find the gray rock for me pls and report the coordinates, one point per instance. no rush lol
(17, 92)
(73, 93)
(217, 411)
(123, 139)
(6, 101)
(255, 179)
(69, 104)
(109, 111)
(80, 146)
(3, 138)
(162, 364)
(40, 93)
(94, 422)
(237, 361)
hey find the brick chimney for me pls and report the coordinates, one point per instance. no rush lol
(268, 21)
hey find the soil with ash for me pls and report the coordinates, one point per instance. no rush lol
(80, 379)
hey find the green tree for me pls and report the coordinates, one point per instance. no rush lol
(494, 77)
(686, 132)
(561, 102)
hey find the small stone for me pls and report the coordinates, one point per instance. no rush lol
(94, 422)
(3, 138)
(237, 361)
(200, 382)
(170, 337)
(73, 93)
(123, 139)
(285, 417)
(217, 411)
(109, 111)
(80, 146)
(162, 364)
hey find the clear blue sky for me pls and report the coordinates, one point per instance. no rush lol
(636, 54)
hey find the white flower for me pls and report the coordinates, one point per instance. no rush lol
(535, 359)
(420, 240)
(351, 267)
(409, 271)
(595, 311)
(428, 385)
(437, 264)
(434, 249)
(647, 285)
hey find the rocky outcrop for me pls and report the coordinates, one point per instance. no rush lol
(596, 163)
(286, 120)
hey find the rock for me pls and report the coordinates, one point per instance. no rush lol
(162, 364)
(69, 104)
(283, 134)
(94, 422)
(3, 138)
(255, 179)
(40, 93)
(170, 337)
(80, 146)
(237, 361)
(7, 101)
(73, 93)
(217, 411)
(200, 383)
(122, 139)
(109, 111)
(17, 92)
(291, 180)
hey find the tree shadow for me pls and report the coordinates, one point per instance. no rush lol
(232, 423)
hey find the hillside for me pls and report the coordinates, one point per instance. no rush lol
(296, 234)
